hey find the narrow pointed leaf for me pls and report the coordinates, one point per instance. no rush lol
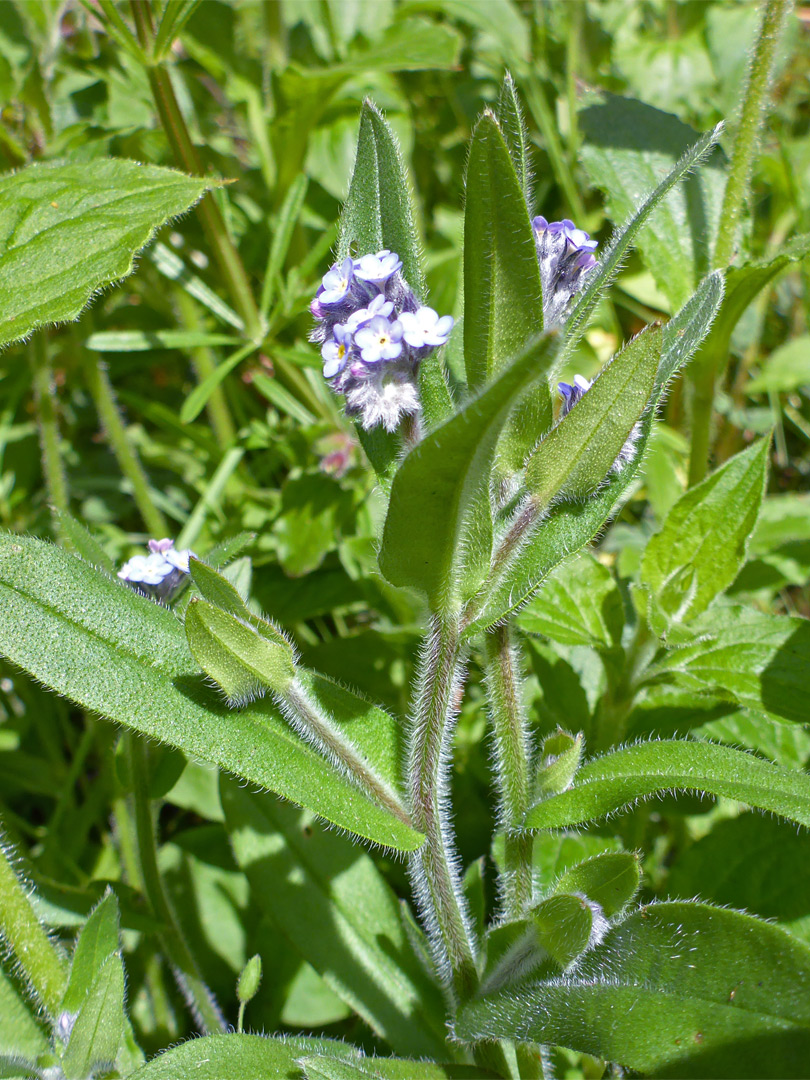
(577, 454)
(97, 942)
(442, 479)
(68, 230)
(516, 135)
(101, 645)
(570, 526)
(678, 990)
(618, 779)
(99, 1027)
(378, 212)
(702, 544)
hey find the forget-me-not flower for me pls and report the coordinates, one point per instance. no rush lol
(158, 574)
(423, 327)
(379, 340)
(379, 267)
(335, 352)
(566, 256)
(336, 284)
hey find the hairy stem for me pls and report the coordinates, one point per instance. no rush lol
(434, 869)
(200, 999)
(53, 468)
(754, 110)
(103, 397)
(171, 118)
(43, 968)
(512, 753)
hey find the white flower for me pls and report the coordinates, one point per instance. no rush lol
(378, 306)
(336, 283)
(158, 573)
(425, 328)
(377, 267)
(379, 340)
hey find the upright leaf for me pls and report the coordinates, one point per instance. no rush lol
(21, 1037)
(67, 230)
(99, 1028)
(328, 898)
(378, 212)
(570, 526)
(516, 135)
(96, 943)
(702, 544)
(610, 879)
(677, 989)
(627, 146)
(428, 536)
(618, 779)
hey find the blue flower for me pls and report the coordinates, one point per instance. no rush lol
(336, 283)
(424, 328)
(566, 256)
(378, 306)
(335, 352)
(572, 394)
(379, 340)
(158, 574)
(379, 267)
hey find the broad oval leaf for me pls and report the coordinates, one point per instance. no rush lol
(67, 230)
(563, 923)
(701, 546)
(677, 989)
(617, 779)
(610, 879)
(101, 645)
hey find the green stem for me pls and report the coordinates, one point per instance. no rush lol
(512, 755)
(433, 868)
(185, 152)
(53, 469)
(204, 365)
(43, 967)
(103, 397)
(541, 110)
(754, 109)
(200, 999)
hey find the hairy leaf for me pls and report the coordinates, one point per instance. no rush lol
(236, 1057)
(580, 604)
(99, 1027)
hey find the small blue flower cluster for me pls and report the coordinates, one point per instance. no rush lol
(566, 256)
(160, 573)
(373, 334)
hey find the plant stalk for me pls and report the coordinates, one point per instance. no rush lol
(103, 397)
(434, 869)
(512, 756)
(185, 153)
(22, 932)
(199, 998)
(743, 158)
(53, 468)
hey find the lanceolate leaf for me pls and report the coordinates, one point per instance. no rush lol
(378, 212)
(21, 1037)
(516, 135)
(67, 230)
(678, 990)
(96, 944)
(100, 644)
(617, 779)
(701, 546)
(99, 1027)
(570, 526)
(441, 482)
(331, 902)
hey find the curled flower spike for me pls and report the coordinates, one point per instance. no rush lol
(160, 573)
(566, 256)
(373, 334)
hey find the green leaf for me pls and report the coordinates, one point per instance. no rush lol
(616, 780)
(563, 923)
(288, 217)
(386, 1068)
(236, 1057)
(677, 989)
(513, 126)
(579, 604)
(21, 1037)
(68, 230)
(378, 210)
(83, 542)
(558, 762)
(787, 368)
(235, 656)
(199, 396)
(106, 648)
(168, 263)
(758, 660)
(570, 526)
(96, 943)
(502, 290)
(702, 544)
(122, 341)
(428, 534)
(610, 879)
(99, 1027)
(579, 452)
(176, 14)
(329, 899)
(627, 146)
(410, 45)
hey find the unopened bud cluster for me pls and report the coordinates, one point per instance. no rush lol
(566, 256)
(373, 334)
